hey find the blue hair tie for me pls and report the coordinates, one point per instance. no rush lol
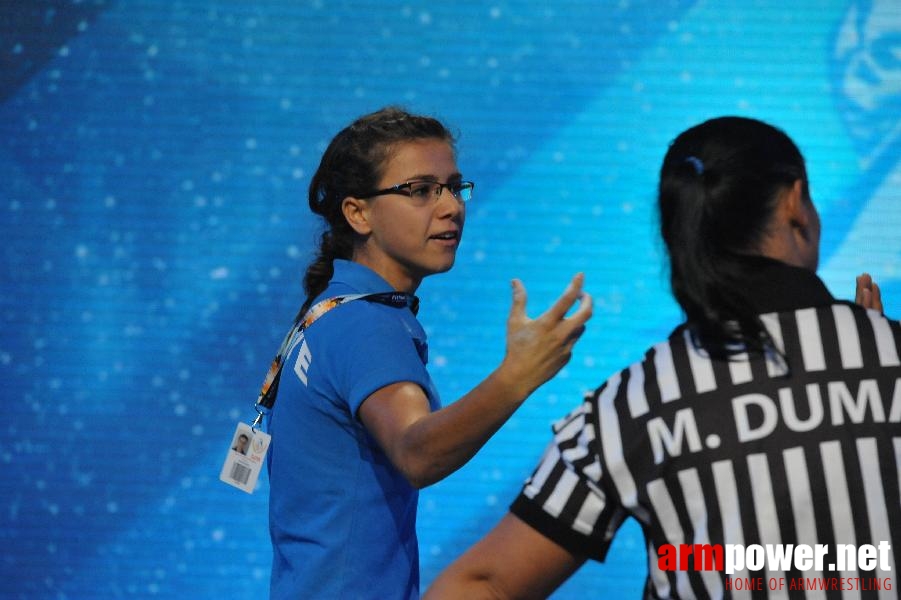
(697, 163)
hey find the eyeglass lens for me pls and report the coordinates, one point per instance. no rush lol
(432, 189)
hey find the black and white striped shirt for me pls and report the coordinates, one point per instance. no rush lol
(801, 450)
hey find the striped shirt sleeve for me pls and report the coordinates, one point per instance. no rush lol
(563, 498)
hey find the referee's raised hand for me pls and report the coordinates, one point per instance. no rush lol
(867, 292)
(538, 348)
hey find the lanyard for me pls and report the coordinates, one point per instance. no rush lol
(266, 399)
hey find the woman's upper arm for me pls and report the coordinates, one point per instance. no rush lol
(512, 561)
(388, 412)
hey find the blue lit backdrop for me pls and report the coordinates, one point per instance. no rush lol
(153, 167)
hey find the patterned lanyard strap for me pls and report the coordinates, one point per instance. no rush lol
(266, 399)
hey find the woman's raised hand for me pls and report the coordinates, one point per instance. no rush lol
(538, 348)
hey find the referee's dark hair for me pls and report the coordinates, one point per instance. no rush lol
(719, 186)
(352, 165)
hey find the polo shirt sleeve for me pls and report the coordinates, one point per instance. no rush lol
(364, 347)
(564, 499)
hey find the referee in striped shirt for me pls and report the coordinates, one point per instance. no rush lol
(759, 446)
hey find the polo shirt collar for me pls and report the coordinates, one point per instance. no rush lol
(359, 277)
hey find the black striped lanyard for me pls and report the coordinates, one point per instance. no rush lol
(266, 399)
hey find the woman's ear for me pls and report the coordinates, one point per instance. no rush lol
(794, 233)
(796, 206)
(356, 211)
(805, 223)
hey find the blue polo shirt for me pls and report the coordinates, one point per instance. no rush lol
(341, 517)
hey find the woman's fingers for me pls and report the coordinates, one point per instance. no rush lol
(539, 348)
(584, 312)
(555, 316)
(570, 296)
(518, 309)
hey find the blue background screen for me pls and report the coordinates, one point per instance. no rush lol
(154, 159)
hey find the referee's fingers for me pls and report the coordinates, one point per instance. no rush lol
(877, 297)
(862, 284)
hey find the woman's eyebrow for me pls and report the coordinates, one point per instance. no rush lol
(431, 177)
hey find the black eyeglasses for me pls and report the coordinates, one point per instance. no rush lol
(427, 191)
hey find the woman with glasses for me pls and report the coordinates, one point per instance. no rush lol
(767, 421)
(358, 426)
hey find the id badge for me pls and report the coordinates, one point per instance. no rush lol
(244, 459)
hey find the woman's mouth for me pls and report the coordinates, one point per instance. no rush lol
(446, 236)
